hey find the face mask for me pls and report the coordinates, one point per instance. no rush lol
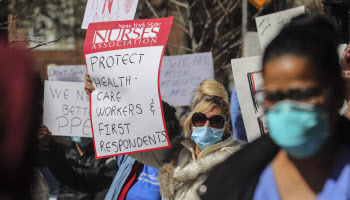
(298, 128)
(205, 137)
(82, 141)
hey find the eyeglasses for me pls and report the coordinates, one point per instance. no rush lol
(299, 94)
(215, 121)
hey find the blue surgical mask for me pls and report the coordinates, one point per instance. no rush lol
(298, 128)
(205, 137)
(81, 141)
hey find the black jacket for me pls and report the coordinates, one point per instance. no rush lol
(239, 175)
(82, 177)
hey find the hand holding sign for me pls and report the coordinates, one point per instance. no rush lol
(89, 87)
(44, 136)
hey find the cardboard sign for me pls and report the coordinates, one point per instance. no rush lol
(249, 84)
(72, 73)
(251, 46)
(108, 10)
(269, 25)
(123, 60)
(181, 75)
(66, 109)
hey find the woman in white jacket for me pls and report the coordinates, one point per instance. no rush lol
(206, 143)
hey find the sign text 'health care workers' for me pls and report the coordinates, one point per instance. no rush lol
(123, 59)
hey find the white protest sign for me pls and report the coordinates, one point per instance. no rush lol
(66, 109)
(341, 49)
(72, 73)
(108, 10)
(126, 111)
(181, 75)
(249, 84)
(269, 25)
(251, 46)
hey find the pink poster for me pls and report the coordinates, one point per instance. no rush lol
(123, 59)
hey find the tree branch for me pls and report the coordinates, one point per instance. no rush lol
(181, 47)
(42, 44)
(179, 3)
(206, 26)
(151, 8)
(180, 15)
(184, 29)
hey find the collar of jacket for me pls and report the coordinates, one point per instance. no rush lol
(190, 145)
(186, 171)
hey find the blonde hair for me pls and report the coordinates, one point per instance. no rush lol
(210, 94)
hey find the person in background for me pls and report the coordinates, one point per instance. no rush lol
(206, 143)
(307, 152)
(135, 180)
(237, 119)
(19, 122)
(80, 174)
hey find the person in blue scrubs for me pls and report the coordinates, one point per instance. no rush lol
(306, 154)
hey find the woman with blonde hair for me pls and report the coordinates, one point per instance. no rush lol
(206, 143)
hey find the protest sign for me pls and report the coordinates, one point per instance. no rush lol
(181, 75)
(341, 50)
(249, 84)
(123, 59)
(269, 25)
(66, 109)
(72, 73)
(108, 10)
(251, 46)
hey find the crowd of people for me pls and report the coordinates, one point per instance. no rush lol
(305, 155)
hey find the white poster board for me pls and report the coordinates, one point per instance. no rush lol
(66, 109)
(269, 25)
(108, 10)
(251, 46)
(126, 111)
(341, 49)
(72, 73)
(249, 84)
(181, 75)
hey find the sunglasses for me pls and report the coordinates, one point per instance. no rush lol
(299, 94)
(215, 121)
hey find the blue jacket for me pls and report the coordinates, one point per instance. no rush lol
(125, 164)
(237, 119)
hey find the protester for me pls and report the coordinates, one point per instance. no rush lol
(307, 152)
(80, 174)
(135, 180)
(19, 121)
(237, 118)
(206, 143)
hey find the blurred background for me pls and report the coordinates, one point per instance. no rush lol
(51, 28)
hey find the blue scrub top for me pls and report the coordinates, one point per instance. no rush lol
(146, 186)
(337, 185)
